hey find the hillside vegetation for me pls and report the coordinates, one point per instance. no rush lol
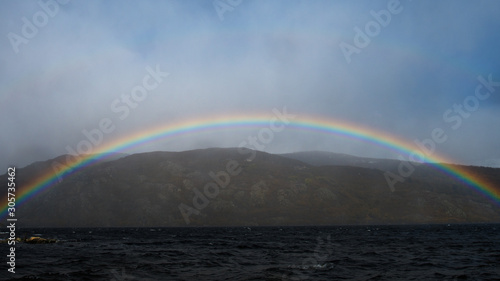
(214, 187)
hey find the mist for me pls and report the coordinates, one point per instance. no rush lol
(65, 72)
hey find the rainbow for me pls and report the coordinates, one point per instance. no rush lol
(303, 123)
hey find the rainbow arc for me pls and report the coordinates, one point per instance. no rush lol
(303, 123)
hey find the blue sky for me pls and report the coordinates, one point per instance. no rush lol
(261, 55)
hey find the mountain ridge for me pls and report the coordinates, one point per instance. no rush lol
(233, 186)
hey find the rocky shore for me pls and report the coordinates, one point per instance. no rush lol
(32, 240)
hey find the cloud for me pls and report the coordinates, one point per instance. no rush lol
(261, 56)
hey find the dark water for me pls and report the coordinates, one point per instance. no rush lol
(438, 252)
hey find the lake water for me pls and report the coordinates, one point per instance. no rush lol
(428, 252)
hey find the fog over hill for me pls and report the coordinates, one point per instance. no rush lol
(231, 186)
(322, 158)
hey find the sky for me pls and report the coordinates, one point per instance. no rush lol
(401, 67)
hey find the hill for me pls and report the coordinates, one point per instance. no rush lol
(219, 187)
(324, 158)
